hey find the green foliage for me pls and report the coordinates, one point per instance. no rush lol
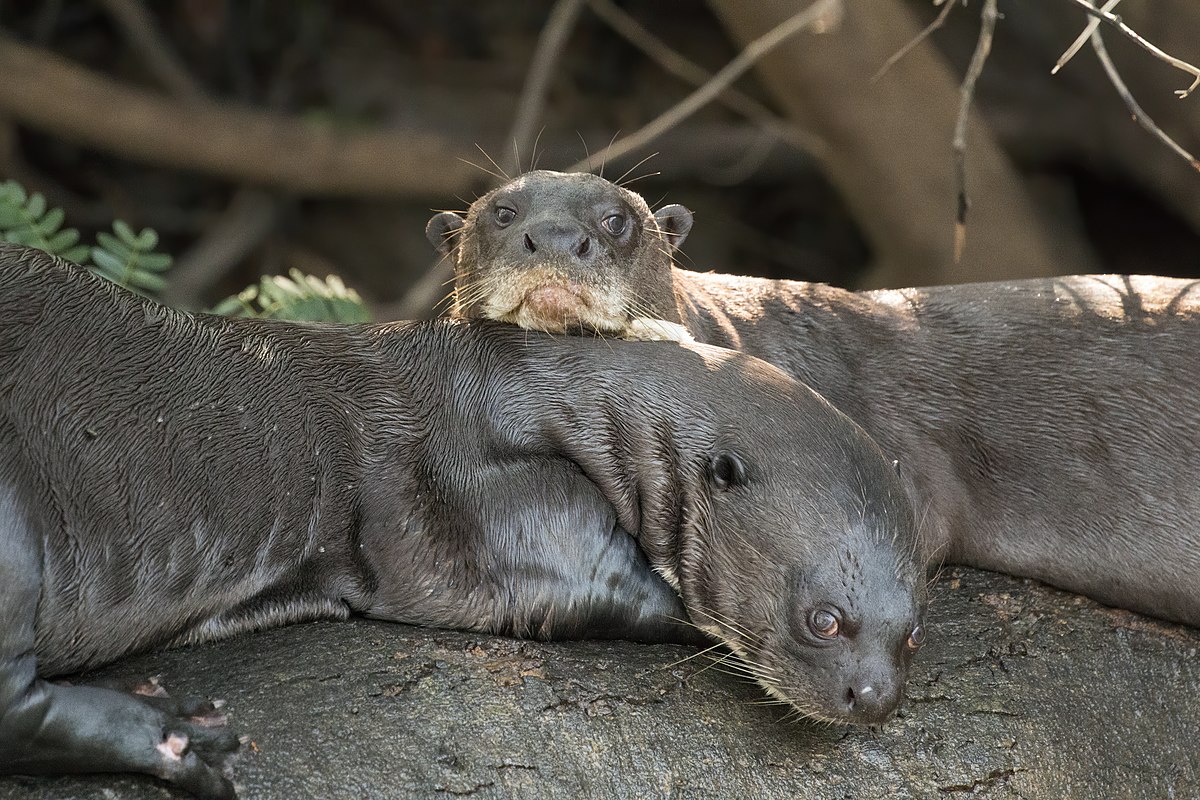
(128, 259)
(26, 220)
(300, 297)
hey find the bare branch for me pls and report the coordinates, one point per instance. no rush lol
(141, 31)
(937, 23)
(1116, 22)
(675, 63)
(1081, 40)
(983, 47)
(1139, 115)
(50, 93)
(711, 90)
(551, 42)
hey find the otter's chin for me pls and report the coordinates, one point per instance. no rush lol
(559, 307)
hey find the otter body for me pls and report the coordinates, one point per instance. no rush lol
(167, 478)
(1050, 428)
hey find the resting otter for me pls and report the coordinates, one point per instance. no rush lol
(167, 477)
(1049, 428)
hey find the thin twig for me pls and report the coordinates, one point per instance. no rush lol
(711, 90)
(1116, 22)
(141, 31)
(679, 65)
(983, 47)
(1139, 115)
(920, 37)
(1081, 40)
(551, 42)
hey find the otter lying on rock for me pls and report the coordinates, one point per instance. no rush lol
(170, 478)
(1049, 428)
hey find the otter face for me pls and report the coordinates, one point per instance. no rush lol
(825, 609)
(561, 252)
(801, 554)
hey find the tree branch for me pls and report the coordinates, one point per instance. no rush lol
(711, 90)
(983, 47)
(928, 31)
(554, 36)
(142, 33)
(1139, 116)
(45, 91)
(1116, 22)
(675, 63)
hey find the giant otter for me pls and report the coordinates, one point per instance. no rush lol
(169, 478)
(1049, 428)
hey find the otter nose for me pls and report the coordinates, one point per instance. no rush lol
(549, 239)
(871, 701)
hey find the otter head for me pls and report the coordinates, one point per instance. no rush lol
(800, 553)
(561, 252)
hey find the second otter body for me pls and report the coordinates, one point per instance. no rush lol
(1049, 428)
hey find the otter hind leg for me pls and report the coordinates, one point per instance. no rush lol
(47, 728)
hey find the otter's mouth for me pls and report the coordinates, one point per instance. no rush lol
(748, 659)
(555, 305)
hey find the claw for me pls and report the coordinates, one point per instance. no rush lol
(174, 747)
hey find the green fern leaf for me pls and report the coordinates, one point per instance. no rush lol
(25, 219)
(127, 258)
(297, 297)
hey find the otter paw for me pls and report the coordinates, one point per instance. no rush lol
(198, 759)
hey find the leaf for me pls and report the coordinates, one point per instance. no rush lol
(147, 280)
(64, 240)
(125, 233)
(157, 262)
(298, 297)
(108, 264)
(36, 206)
(114, 245)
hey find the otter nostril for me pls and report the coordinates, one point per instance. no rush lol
(529, 245)
(583, 247)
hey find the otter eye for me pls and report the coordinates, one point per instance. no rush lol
(505, 215)
(916, 638)
(824, 624)
(615, 224)
(726, 470)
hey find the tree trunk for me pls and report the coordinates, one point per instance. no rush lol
(890, 153)
(1021, 691)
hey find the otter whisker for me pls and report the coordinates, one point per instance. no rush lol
(586, 152)
(723, 619)
(635, 166)
(697, 654)
(604, 163)
(480, 168)
(494, 164)
(640, 177)
(534, 157)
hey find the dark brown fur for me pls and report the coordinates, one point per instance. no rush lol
(1048, 428)
(167, 477)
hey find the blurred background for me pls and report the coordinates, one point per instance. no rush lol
(261, 135)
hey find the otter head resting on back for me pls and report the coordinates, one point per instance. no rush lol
(562, 252)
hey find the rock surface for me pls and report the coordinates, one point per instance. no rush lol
(1021, 691)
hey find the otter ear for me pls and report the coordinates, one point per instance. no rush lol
(726, 470)
(440, 228)
(675, 222)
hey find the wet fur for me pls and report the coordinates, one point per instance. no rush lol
(1046, 428)
(168, 477)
